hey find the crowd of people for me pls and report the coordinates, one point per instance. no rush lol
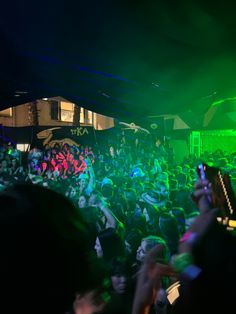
(123, 226)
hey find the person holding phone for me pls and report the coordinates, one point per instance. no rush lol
(206, 265)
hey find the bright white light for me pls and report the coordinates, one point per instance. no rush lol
(22, 147)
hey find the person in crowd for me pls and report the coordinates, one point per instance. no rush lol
(4, 168)
(169, 231)
(133, 239)
(121, 294)
(133, 212)
(72, 192)
(107, 189)
(147, 244)
(83, 201)
(149, 203)
(163, 189)
(109, 244)
(107, 216)
(181, 177)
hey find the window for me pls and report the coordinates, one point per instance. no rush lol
(62, 111)
(82, 118)
(6, 112)
(55, 110)
(86, 116)
(23, 147)
(67, 111)
(90, 117)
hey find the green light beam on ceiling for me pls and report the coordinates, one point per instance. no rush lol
(218, 102)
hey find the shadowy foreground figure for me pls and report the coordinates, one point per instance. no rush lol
(44, 254)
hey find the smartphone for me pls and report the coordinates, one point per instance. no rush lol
(222, 196)
(201, 171)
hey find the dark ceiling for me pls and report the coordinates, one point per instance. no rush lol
(126, 59)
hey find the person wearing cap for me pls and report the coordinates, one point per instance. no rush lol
(163, 189)
(151, 214)
(150, 197)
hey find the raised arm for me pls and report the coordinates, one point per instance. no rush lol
(112, 220)
(92, 181)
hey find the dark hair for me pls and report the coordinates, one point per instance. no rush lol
(107, 190)
(44, 254)
(169, 231)
(134, 237)
(112, 244)
(120, 266)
